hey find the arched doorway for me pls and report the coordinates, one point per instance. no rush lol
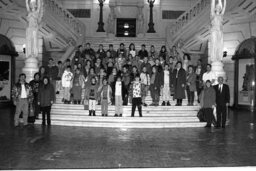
(7, 68)
(245, 77)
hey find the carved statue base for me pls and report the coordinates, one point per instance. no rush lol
(111, 35)
(217, 68)
(30, 68)
(140, 35)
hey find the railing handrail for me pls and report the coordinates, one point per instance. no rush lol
(188, 16)
(56, 8)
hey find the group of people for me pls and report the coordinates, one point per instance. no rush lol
(116, 77)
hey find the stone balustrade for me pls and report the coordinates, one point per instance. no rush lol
(65, 16)
(188, 16)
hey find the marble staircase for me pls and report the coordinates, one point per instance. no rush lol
(153, 117)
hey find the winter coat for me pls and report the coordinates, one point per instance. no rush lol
(191, 79)
(179, 91)
(67, 78)
(46, 95)
(109, 93)
(207, 97)
(16, 92)
(145, 78)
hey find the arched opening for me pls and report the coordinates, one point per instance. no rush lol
(7, 68)
(245, 59)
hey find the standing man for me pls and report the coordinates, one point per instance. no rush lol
(209, 75)
(222, 101)
(22, 95)
(52, 72)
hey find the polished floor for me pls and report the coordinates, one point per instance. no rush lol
(56, 147)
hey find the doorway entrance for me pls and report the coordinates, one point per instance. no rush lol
(126, 27)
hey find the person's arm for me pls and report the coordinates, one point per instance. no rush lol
(212, 8)
(27, 5)
(227, 95)
(52, 98)
(224, 6)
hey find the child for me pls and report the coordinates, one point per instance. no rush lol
(66, 81)
(155, 83)
(165, 85)
(106, 94)
(126, 82)
(135, 93)
(91, 95)
(118, 97)
(145, 82)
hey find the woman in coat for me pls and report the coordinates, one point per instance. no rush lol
(45, 99)
(207, 103)
(191, 85)
(179, 79)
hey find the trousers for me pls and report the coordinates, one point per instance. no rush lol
(66, 93)
(221, 115)
(118, 105)
(166, 92)
(46, 111)
(136, 102)
(104, 106)
(21, 106)
(92, 104)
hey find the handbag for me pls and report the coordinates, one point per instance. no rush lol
(201, 115)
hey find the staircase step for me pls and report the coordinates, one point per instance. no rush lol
(125, 125)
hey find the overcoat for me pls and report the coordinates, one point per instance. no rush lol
(179, 91)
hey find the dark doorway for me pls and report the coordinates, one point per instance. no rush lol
(126, 27)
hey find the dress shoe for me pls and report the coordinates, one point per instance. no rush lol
(145, 105)
(163, 104)
(116, 115)
(120, 115)
(168, 103)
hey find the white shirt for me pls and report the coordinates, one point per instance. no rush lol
(166, 77)
(220, 87)
(145, 78)
(118, 88)
(133, 53)
(23, 94)
(209, 76)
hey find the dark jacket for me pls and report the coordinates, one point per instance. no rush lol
(45, 95)
(191, 79)
(207, 97)
(143, 54)
(170, 78)
(52, 72)
(157, 82)
(148, 66)
(223, 97)
(179, 91)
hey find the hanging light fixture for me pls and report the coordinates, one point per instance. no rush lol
(126, 33)
(126, 25)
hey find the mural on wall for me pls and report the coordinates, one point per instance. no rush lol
(5, 82)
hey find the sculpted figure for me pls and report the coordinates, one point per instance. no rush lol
(111, 22)
(34, 8)
(217, 12)
(140, 23)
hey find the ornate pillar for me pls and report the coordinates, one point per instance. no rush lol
(33, 43)
(101, 23)
(140, 21)
(111, 21)
(151, 23)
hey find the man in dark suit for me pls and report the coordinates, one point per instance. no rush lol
(222, 101)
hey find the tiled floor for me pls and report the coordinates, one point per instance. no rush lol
(38, 147)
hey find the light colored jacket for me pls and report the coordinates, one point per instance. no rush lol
(145, 79)
(67, 78)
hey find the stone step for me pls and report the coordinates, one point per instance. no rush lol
(87, 118)
(124, 125)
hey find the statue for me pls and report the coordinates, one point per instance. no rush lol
(216, 45)
(140, 24)
(35, 13)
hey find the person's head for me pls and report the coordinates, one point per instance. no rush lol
(80, 48)
(134, 69)
(51, 61)
(178, 65)
(110, 46)
(100, 46)
(130, 56)
(120, 55)
(121, 46)
(68, 62)
(152, 48)
(88, 63)
(108, 54)
(131, 46)
(68, 68)
(88, 45)
(186, 57)
(125, 69)
(174, 48)
(208, 67)
(46, 80)
(75, 67)
(166, 67)
(145, 59)
(144, 69)
(170, 59)
(92, 71)
(59, 63)
(93, 80)
(98, 61)
(190, 69)
(22, 77)
(143, 46)
(36, 76)
(137, 78)
(102, 71)
(77, 71)
(199, 62)
(105, 81)
(208, 83)
(42, 70)
(114, 71)
(163, 49)
(157, 61)
(161, 58)
(119, 78)
(79, 65)
(220, 80)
